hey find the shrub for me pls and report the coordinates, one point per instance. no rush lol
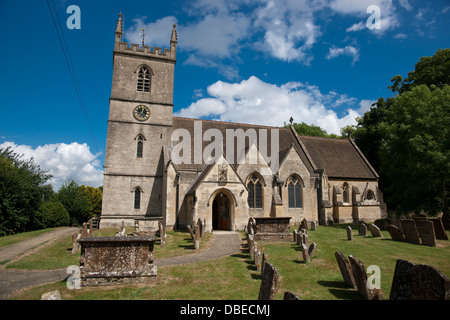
(51, 214)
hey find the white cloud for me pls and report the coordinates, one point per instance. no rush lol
(63, 161)
(365, 106)
(347, 50)
(401, 36)
(356, 27)
(158, 32)
(258, 102)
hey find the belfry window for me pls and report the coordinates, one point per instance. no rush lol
(137, 198)
(295, 192)
(254, 187)
(140, 147)
(144, 79)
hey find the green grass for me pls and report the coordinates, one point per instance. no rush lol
(9, 240)
(235, 277)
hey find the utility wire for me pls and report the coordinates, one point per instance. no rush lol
(63, 43)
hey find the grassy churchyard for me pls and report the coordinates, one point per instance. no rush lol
(235, 277)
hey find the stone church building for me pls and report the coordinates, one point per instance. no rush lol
(315, 178)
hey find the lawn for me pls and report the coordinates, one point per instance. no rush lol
(235, 277)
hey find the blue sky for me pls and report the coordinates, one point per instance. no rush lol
(254, 61)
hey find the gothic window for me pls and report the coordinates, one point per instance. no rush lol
(137, 198)
(140, 146)
(254, 187)
(346, 192)
(144, 79)
(370, 195)
(295, 192)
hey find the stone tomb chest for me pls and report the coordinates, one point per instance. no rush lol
(272, 228)
(116, 260)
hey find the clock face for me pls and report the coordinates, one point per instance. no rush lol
(141, 113)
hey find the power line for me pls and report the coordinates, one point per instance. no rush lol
(63, 43)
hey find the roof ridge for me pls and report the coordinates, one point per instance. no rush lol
(230, 122)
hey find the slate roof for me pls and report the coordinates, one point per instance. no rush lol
(339, 158)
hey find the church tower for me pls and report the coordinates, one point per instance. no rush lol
(139, 128)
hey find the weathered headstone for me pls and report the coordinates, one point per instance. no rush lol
(263, 261)
(410, 231)
(269, 282)
(251, 243)
(290, 296)
(305, 253)
(200, 227)
(418, 282)
(295, 235)
(162, 233)
(346, 269)
(313, 225)
(51, 295)
(395, 233)
(375, 231)
(439, 229)
(312, 249)
(360, 275)
(75, 245)
(426, 232)
(84, 232)
(349, 233)
(362, 229)
(191, 232)
(196, 237)
(305, 239)
(258, 260)
(304, 225)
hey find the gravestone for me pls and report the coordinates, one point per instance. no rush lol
(290, 296)
(439, 229)
(162, 233)
(251, 243)
(418, 282)
(305, 239)
(191, 232)
(375, 231)
(410, 231)
(305, 253)
(426, 232)
(304, 225)
(349, 233)
(269, 281)
(84, 232)
(395, 233)
(362, 229)
(295, 235)
(75, 245)
(360, 275)
(313, 225)
(263, 261)
(312, 249)
(346, 269)
(272, 228)
(258, 260)
(200, 227)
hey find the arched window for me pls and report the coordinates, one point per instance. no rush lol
(295, 192)
(144, 79)
(346, 192)
(137, 198)
(370, 195)
(140, 147)
(254, 187)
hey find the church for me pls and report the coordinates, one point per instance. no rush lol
(178, 170)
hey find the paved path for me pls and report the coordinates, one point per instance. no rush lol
(224, 243)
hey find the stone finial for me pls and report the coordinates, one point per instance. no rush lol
(119, 26)
(174, 34)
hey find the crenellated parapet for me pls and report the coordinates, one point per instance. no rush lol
(147, 51)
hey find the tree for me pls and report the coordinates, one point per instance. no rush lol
(75, 201)
(415, 153)
(21, 191)
(95, 197)
(311, 130)
(51, 214)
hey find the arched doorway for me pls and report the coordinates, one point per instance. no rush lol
(221, 212)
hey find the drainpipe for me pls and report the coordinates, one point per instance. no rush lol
(177, 211)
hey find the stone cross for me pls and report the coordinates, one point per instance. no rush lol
(269, 282)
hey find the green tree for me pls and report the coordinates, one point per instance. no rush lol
(415, 153)
(95, 196)
(311, 130)
(75, 201)
(21, 191)
(50, 215)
